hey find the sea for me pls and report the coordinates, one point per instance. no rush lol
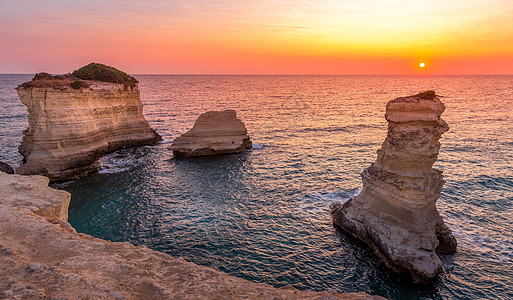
(265, 215)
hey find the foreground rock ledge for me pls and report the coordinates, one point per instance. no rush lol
(43, 257)
(72, 126)
(395, 212)
(215, 132)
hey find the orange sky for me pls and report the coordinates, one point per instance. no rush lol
(259, 37)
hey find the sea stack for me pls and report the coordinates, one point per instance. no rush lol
(215, 132)
(395, 212)
(77, 118)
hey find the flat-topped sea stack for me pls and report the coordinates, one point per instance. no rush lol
(77, 118)
(215, 132)
(43, 257)
(395, 212)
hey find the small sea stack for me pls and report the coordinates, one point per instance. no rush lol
(215, 132)
(75, 119)
(395, 212)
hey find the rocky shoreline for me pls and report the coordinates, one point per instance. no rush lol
(43, 257)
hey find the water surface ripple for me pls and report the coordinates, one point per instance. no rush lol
(264, 215)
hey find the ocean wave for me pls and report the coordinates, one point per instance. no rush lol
(258, 146)
(17, 116)
(320, 202)
(495, 182)
(326, 129)
(165, 141)
(349, 128)
(485, 243)
(484, 183)
(117, 162)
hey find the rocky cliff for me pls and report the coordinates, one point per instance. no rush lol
(43, 257)
(70, 125)
(215, 132)
(395, 212)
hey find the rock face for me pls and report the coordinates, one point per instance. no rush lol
(70, 128)
(215, 132)
(33, 193)
(6, 168)
(395, 212)
(43, 257)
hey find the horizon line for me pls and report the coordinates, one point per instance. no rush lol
(270, 74)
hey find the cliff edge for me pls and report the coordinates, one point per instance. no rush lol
(75, 119)
(395, 212)
(43, 257)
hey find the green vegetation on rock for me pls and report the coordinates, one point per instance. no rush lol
(101, 72)
(78, 84)
(48, 80)
(92, 71)
(427, 95)
(43, 76)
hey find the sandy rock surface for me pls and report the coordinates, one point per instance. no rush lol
(43, 257)
(33, 193)
(70, 129)
(215, 132)
(395, 212)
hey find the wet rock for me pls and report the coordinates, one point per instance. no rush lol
(6, 168)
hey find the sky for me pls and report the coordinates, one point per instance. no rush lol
(343, 37)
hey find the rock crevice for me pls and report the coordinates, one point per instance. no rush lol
(6, 168)
(395, 212)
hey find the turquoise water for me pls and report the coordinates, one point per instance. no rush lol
(264, 215)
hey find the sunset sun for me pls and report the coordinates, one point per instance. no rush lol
(422, 65)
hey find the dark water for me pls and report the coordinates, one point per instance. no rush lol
(264, 215)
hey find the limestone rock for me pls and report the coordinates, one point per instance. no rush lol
(70, 128)
(45, 258)
(33, 192)
(395, 212)
(6, 168)
(215, 132)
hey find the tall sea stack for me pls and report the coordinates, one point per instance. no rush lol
(77, 118)
(395, 212)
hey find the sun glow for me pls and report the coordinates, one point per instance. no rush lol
(260, 37)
